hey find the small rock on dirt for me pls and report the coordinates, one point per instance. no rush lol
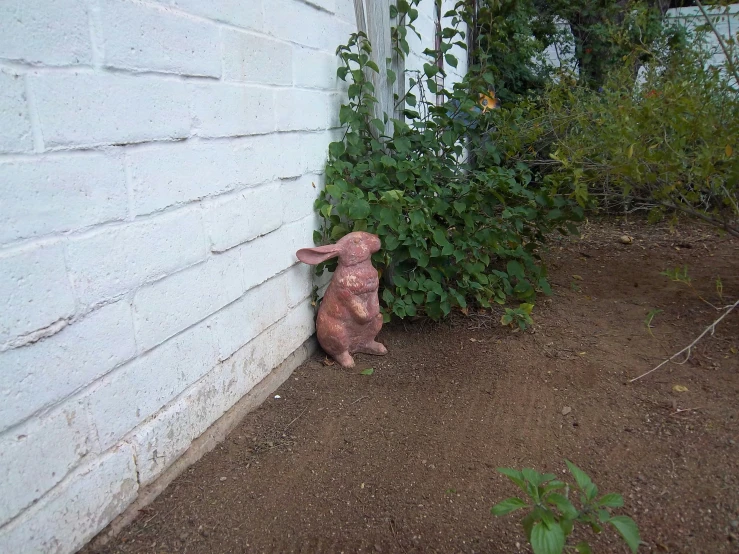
(626, 239)
(566, 410)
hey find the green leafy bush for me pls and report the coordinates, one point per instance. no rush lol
(456, 226)
(663, 142)
(552, 515)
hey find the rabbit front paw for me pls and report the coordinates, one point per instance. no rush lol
(345, 359)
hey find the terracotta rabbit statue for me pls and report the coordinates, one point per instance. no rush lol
(349, 317)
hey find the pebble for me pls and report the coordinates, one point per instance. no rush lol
(223, 478)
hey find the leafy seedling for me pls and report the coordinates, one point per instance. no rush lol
(552, 515)
(520, 316)
(650, 317)
(678, 275)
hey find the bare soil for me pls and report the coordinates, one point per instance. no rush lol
(404, 460)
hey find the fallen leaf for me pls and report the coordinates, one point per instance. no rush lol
(680, 388)
(577, 277)
(581, 353)
(566, 410)
(729, 150)
(626, 239)
(328, 361)
(733, 350)
(368, 371)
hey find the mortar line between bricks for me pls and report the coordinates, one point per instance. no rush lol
(246, 30)
(51, 239)
(101, 146)
(318, 7)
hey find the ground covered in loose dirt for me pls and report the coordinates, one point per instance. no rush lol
(404, 460)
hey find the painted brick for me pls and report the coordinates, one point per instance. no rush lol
(302, 232)
(306, 152)
(255, 59)
(43, 32)
(144, 38)
(223, 110)
(39, 454)
(300, 280)
(160, 441)
(300, 109)
(270, 254)
(345, 11)
(240, 322)
(172, 304)
(251, 363)
(299, 195)
(314, 69)
(327, 5)
(235, 12)
(77, 509)
(34, 291)
(237, 218)
(126, 397)
(167, 174)
(15, 125)
(47, 371)
(163, 439)
(58, 194)
(82, 109)
(111, 262)
(295, 21)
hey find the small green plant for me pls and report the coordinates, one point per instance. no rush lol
(720, 288)
(650, 317)
(678, 275)
(520, 316)
(552, 515)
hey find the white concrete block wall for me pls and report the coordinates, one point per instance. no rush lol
(159, 160)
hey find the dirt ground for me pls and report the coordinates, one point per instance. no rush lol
(404, 460)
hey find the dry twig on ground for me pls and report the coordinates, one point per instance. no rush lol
(688, 349)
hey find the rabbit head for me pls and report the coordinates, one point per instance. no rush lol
(351, 249)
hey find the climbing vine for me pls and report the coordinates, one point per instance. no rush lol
(458, 229)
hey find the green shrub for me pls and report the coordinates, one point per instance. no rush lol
(456, 226)
(664, 142)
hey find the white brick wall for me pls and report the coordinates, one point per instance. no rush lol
(78, 109)
(148, 38)
(43, 32)
(159, 160)
(58, 193)
(15, 123)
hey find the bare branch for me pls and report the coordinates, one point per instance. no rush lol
(711, 328)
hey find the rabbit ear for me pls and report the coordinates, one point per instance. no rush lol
(314, 256)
